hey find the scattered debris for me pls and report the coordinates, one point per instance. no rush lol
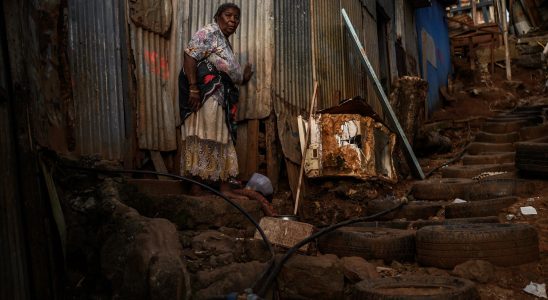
(458, 200)
(528, 210)
(536, 289)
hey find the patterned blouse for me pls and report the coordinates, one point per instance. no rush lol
(209, 42)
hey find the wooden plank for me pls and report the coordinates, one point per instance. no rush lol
(252, 148)
(293, 178)
(412, 159)
(241, 150)
(159, 164)
(272, 154)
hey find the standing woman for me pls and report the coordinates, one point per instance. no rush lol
(208, 101)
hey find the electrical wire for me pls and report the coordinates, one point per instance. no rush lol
(234, 204)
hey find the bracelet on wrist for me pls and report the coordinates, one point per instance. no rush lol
(195, 91)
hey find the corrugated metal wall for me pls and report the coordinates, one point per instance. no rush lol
(157, 62)
(96, 69)
(312, 44)
(253, 42)
(13, 271)
(293, 68)
(13, 259)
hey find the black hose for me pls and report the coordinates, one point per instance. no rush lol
(307, 240)
(234, 204)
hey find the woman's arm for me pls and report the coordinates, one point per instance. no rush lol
(189, 66)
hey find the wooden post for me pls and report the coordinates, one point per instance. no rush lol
(492, 49)
(308, 134)
(505, 33)
(474, 11)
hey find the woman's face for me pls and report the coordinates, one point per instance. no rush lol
(229, 20)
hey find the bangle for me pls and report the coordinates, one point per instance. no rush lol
(195, 91)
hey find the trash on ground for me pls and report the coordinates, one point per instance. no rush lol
(510, 217)
(458, 200)
(528, 210)
(536, 289)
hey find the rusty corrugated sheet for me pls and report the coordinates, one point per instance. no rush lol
(293, 69)
(253, 42)
(13, 269)
(96, 70)
(329, 51)
(370, 42)
(354, 84)
(312, 44)
(157, 63)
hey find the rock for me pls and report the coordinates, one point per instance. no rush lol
(228, 279)
(476, 270)
(357, 269)
(189, 212)
(256, 250)
(140, 256)
(312, 277)
(213, 242)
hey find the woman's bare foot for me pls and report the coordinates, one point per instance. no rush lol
(226, 190)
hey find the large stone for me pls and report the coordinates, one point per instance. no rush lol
(312, 277)
(357, 269)
(228, 279)
(476, 270)
(140, 256)
(189, 212)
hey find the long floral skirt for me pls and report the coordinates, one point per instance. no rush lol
(207, 148)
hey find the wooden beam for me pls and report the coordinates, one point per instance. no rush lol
(159, 164)
(506, 49)
(252, 163)
(272, 154)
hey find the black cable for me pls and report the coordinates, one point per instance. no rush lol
(307, 240)
(234, 204)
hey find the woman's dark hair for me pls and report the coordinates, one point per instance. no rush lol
(224, 7)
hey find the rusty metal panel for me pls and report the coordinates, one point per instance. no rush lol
(14, 276)
(329, 52)
(350, 145)
(96, 69)
(158, 59)
(370, 42)
(253, 42)
(294, 76)
(312, 44)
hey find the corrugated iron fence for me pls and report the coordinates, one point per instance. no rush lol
(290, 43)
(99, 85)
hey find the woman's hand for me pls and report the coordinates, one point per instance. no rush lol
(248, 72)
(194, 98)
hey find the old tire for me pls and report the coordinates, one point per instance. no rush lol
(496, 188)
(445, 246)
(484, 137)
(470, 171)
(504, 127)
(533, 132)
(482, 208)
(532, 157)
(413, 210)
(484, 148)
(416, 287)
(369, 243)
(494, 158)
(442, 189)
